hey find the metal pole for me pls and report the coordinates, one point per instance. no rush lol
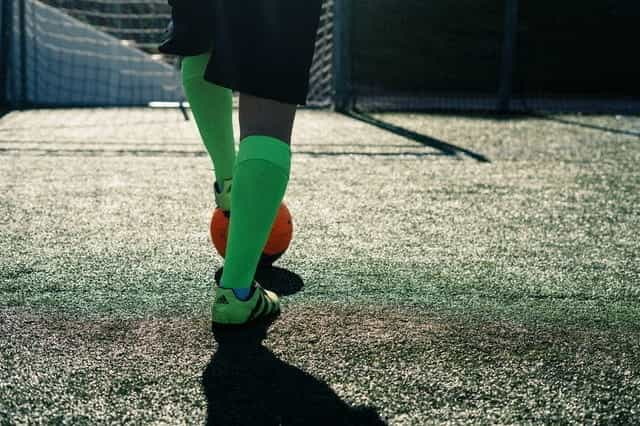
(508, 55)
(4, 50)
(22, 101)
(342, 55)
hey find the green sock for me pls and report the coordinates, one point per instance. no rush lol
(259, 183)
(212, 108)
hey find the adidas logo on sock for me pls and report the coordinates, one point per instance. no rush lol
(222, 300)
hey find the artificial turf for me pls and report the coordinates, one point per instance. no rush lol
(422, 283)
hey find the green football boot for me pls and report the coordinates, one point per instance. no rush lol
(223, 195)
(228, 310)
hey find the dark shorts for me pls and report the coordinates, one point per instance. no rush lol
(260, 47)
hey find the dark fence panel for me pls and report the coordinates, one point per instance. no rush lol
(418, 54)
(497, 56)
(590, 47)
(583, 53)
(409, 55)
(427, 46)
(4, 50)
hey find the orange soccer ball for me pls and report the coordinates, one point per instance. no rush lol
(277, 243)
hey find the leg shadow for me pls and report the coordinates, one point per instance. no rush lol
(246, 384)
(280, 280)
(444, 147)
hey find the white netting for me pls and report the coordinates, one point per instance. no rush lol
(138, 25)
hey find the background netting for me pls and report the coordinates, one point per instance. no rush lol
(104, 52)
(142, 22)
(60, 59)
(578, 56)
(444, 55)
(382, 55)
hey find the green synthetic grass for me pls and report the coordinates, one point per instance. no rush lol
(436, 288)
(416, 368)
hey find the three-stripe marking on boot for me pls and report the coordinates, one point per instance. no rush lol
(263, 307)
(222, 300)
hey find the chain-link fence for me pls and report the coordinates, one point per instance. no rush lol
(493, 55)
(104, 53)
(506, 56)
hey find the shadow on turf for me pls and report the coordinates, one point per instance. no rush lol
(444, 147)
(586, 125)
(246, 384)
(280, 280)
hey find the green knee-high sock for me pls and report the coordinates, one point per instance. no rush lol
(212, 109)
(259, 183)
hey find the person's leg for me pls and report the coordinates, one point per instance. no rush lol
(212, 109)
(264, 117)
(260, 181)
